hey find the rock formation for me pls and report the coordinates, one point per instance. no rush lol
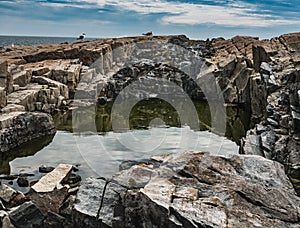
(192, 189)
(261, 75)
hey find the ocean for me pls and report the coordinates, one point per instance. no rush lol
(35, 40)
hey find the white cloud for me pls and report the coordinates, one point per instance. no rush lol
(232, 13)
(62, 5)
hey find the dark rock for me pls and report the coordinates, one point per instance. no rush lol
(20, 127)
(75, 169)
(4, 220)
(23, 181)
(251, 143)
(26, 215)
(9, 177)
(102, 100)
(273, 122)
(296, 121)
(54, 220)
(67, 208)
(45, 169)
(2, 207)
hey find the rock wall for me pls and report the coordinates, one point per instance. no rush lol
(276, 137)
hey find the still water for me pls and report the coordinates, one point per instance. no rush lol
(100, 153)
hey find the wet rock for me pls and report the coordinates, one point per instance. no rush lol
(23, 181)
(26, 215)
(46, 169)
(20, 127)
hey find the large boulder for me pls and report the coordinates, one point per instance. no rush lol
(20, 127)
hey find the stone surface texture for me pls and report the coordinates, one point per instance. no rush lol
(193, 189)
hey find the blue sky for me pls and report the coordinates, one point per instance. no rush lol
(114, 18)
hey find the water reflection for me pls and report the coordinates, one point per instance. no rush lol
(143, 114)
(27, 149)
(103, 151)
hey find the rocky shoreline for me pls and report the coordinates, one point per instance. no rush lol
(261, 75)
(190, 189)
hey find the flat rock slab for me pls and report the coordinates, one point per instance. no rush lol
(53, 179)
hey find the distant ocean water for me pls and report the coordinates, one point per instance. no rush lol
(35, 40)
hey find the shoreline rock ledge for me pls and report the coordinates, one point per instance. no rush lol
(20, 127)
(192, 189)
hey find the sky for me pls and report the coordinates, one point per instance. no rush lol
(198, 19)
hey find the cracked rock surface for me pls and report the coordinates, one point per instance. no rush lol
(194, 189)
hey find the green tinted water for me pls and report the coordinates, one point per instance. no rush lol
(102, 153)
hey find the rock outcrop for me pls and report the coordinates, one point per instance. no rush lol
(262, 75)
(276, 137)
(19, 127)
(192, 189)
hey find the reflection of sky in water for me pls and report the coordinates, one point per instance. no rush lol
(101, 155)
